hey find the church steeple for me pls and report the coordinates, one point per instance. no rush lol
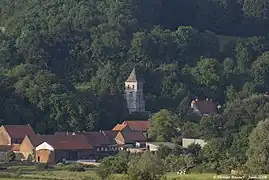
(134, 92)
(134, 76)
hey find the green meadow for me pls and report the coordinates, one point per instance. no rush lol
(30, 172)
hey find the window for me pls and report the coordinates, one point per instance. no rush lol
(133, 86)
(128, 87)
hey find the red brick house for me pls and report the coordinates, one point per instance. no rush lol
(14, 134)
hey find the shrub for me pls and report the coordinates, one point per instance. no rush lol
(3, 167)
(75, 168)
(197, 169)
(210, 170)
(18, 172)
(42, 166)
(6, 175)
(103, 172)
(10, 156)
(148, 167)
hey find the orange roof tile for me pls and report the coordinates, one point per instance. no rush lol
(119, 127)
(137, 125)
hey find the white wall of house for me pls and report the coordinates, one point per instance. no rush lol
(186, 142)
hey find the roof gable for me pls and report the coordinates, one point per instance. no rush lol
(19, 131)
(46, 146)
(133, 136)
(110, 135)
(119, 127)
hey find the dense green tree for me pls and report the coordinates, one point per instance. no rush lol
(257, 8)
(258, 148)
(163, 126)
(260, 72)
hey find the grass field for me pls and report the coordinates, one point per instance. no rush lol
(30, 173)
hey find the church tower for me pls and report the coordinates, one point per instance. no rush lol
(134, 93)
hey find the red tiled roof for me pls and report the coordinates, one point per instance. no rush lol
(133, 136)
(62, 142)
(205, 107)
(15, 147)
(19, 131)
(137, 125)
(110, 135)
(95, 138)
(119, 127)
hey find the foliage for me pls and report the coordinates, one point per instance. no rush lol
(63, 66)
(10, 156)
(113, 165)
(75, 168)
(163, 126)
(147, 167)
(163, 151)
(42, 166)
(258, 148)
(175, 163)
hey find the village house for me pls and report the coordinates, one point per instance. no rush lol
(131, 139)
(69, 147)
(204, 107)
(14, 134)
(133, 125)
(103, 142)
(58, 148)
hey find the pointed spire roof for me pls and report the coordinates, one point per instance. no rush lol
(133, 77)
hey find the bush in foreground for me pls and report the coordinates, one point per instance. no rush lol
(42, 166)
(147, 167)
(10, 156)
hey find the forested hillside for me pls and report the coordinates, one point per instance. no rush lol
(63, 62)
